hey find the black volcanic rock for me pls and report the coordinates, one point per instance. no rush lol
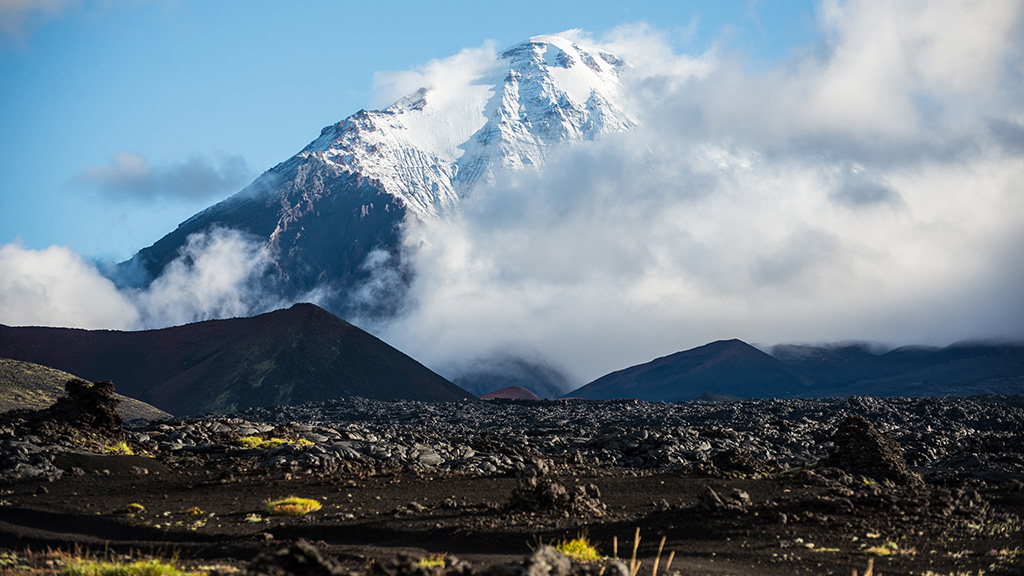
(724, 367)
(301, 354)
(88, 405)
(861, 449)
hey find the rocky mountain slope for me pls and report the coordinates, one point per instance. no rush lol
(290, 356)
(342, 199)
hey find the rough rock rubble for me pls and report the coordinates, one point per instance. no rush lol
(940, 438)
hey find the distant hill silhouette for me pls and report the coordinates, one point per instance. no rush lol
(961, 369)
(730, 367)
(500, 371)
(300, 354)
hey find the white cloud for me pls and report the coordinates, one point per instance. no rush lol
(217, 274)
(56, 287)
(867, 191)
(130, 175)
(448, 75)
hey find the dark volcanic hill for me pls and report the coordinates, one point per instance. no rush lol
(291, 356)
(960, 369)
(723, 367)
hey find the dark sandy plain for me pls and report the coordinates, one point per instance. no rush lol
(916, 486)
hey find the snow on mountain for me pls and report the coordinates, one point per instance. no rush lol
(343, 197)
(432, 148)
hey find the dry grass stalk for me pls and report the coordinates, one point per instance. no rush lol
(870, 571)
(657, 559)
(671, 557)
(634, 566)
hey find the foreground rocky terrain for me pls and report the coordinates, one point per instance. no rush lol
(921, 486)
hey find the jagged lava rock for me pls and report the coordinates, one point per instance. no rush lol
(862, 449)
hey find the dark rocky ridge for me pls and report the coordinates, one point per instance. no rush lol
(295, 355)
(725, 367)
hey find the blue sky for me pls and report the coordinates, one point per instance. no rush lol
(200, 97)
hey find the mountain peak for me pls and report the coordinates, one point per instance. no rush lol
(348, 192)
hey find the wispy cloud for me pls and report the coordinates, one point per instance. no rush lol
(131, 176)
(19, 18)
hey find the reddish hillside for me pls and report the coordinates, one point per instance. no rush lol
(511, 393)
(291, 356)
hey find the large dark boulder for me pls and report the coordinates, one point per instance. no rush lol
(861, 449)
(88, 406)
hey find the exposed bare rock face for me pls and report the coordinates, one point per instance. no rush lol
(861, 449)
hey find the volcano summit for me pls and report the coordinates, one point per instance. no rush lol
(334, 210)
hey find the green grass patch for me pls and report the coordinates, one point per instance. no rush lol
(432, 561)
(291, 506)
(84, 567)
(119, 448)
(263, 444)
(579, 549)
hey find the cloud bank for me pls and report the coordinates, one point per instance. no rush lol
(131, 176)
(868, 188)
(217, 274)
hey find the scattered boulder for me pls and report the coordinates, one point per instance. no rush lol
(708, 500)
(740, 460)
(862, 449)
(537, 491)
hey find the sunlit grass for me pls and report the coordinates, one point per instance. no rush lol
(291, 506)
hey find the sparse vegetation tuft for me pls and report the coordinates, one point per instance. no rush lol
(579, 549)
(119, 448)
(432, 561)
(255, 442)
(292, 506)
(152, 567)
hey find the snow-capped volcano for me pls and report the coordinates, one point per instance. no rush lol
(431, 148)
(323, 211)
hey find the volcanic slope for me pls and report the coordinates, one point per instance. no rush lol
(339, 204)
(300, 354)
(723, 367)
(28, 386)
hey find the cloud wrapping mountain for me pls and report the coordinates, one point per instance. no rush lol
(866, 188)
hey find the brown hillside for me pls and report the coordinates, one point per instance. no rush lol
(301, 354)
